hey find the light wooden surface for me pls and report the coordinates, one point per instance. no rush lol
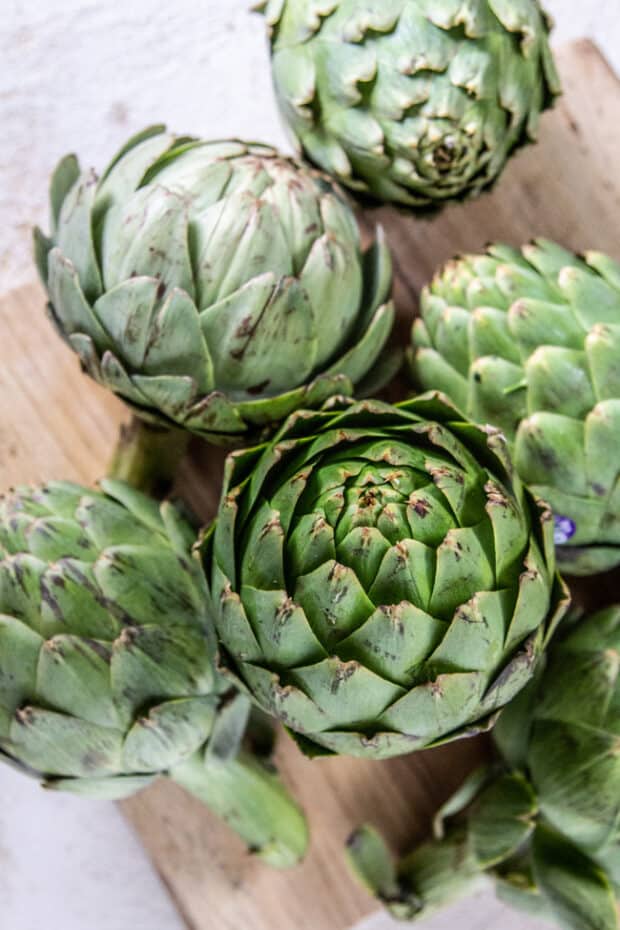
(55, 423)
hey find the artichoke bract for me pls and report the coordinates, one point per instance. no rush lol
(529, 341)
(215, 286)
(379, 579)
(542, 825)
(564, 733)
(411, 101)
(107, 675)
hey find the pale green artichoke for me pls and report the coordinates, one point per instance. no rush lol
(529, 341)
(107, 675)
(215, 286)
(544, 826)
(379, 579)
(412, 101)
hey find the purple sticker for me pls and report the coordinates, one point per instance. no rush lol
(565, 529)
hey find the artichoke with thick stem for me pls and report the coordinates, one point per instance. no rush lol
(529, 340)
(415, 102)
(379, 578)
(543, 823)
(107, 662)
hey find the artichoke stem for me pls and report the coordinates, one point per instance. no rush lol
(147, 456)
(437, 873)
(248, 795)
(443, 871)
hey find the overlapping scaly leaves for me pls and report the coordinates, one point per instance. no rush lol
(107, 675)
(107, 668)
(379, 578)
(412, 101)
(529, 341)
(215, 286)
(564, 732)
(543, 825)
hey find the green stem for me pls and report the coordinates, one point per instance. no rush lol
(251, 799)
(440, 872)
(435, 874)
(147, 456)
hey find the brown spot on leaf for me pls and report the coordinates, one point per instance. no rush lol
(344, 671)
(129, 636)
(24, 716)
(494, 495)
(546, 515)
(244, 328)
(519, 308)
(48, 598)
(285, 611)
(368, 498)
(273, 524)
(369, 742)
(421, 507)
(259, 388)
(393, 614)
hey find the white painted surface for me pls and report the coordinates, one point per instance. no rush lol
(482, 912)
(81, 75)
(71, 864)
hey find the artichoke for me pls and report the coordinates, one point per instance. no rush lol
(544, 826)
(215, 286)
(107, 675)
(379, 580)
(416, 102)
(529, 341)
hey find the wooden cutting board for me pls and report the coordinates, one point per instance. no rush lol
(55, 423)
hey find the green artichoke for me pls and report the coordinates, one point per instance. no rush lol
(215, 286)
(107, 675)
(544, 825)
(379, 579)
(529, 341)
(411, 101)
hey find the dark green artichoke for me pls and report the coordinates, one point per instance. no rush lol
(411, 101)
(107, 675)
(529, 341)
(379, 579)
(544, 825)
(215, 286)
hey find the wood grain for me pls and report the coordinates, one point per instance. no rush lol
(55, 423)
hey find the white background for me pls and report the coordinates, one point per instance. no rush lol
(82, 75)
